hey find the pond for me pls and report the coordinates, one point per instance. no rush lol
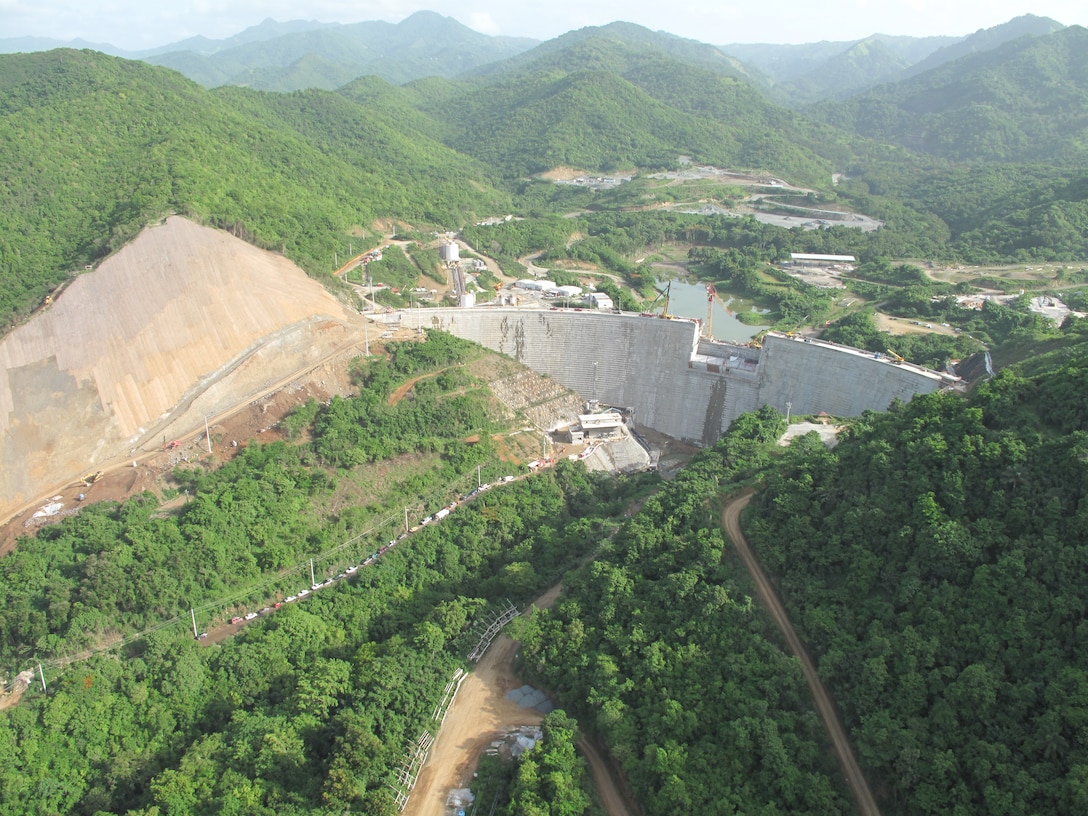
(689, 300)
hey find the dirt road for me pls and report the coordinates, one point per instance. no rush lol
(613, 801)
(478, 714)
(824, 706)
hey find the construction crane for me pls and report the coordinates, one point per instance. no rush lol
(663, 298)
(897, 357)
(757, 341)
(710, 311)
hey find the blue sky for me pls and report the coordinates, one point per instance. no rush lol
(136, 24)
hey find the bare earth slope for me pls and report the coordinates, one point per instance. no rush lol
(184, 321)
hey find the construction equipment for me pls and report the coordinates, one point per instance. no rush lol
(897, 357)
(757, 341)
(663, 299)
(91, 478)
(710, 311)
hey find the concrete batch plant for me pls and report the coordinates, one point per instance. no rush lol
(681, 384)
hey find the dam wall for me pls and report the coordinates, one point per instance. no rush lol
(676, 382)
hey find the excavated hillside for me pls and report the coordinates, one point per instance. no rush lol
(183, 323)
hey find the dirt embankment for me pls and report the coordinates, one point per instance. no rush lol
(184, 322)
(840, 743)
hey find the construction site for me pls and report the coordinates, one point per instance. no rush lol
(139, 363)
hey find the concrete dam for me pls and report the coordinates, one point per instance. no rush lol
(677, 383)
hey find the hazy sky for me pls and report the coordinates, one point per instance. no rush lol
(135, 24)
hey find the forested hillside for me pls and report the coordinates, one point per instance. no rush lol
(659, 645)
(934, 562)
(606, 103)
(96, 147)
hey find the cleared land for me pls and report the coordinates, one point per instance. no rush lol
(184, 322)
(479, 714)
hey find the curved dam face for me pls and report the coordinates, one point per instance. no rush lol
(677, 383)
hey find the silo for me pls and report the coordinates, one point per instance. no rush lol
(449, 252)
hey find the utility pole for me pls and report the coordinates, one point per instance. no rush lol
(207, 433)
(193, 613)
(312, 580)
(406, 519)
(41, 674)
(478, 482)
(366, 337)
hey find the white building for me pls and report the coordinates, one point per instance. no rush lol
(599, 300)
(535, 285)
(596, 426)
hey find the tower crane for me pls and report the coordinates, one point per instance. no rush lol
(710, 311)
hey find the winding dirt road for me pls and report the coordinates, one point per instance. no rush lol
(855, 780)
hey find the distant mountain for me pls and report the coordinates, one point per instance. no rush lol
(805, 74)
(986, 39)
(863, 65)
(635, 38)
(1025, 101)
(328, 56)
(268, 30)
(785, 63)
(28, 45)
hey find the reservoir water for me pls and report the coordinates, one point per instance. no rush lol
(689, 300)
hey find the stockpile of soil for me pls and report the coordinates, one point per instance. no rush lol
(185, 321)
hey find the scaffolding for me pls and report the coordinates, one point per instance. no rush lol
(491, 627)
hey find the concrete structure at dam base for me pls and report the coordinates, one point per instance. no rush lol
(675, 382)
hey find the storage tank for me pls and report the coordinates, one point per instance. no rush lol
(449, 252)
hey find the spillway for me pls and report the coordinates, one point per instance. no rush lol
(678, 383)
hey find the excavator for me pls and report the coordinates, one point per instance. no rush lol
(91, 478)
